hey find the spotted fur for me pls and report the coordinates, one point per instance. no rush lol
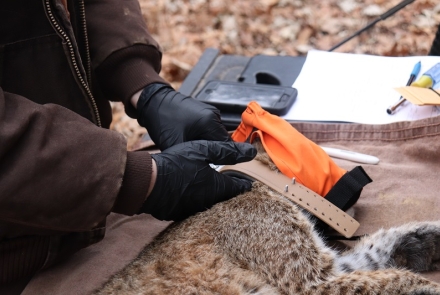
(261, 243)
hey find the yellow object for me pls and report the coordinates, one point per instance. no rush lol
(420, 96)
(424, 82)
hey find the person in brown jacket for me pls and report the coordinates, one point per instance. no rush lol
(61, 170)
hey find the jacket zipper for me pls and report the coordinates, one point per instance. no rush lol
(73, 57)
(86, 42)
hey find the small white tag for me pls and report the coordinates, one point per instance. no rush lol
(216, 167)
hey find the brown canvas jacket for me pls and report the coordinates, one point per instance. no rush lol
(61, 171)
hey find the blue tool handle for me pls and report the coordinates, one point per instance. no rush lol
(416, 69)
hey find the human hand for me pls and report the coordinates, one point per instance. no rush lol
(186, 184)
(171, 117)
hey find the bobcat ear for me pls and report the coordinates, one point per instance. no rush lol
(238, 174)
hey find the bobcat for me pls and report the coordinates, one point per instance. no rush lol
(262, 243)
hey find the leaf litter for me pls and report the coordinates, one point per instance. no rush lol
(185, 28)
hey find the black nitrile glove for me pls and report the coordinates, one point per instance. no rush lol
(186, 184)
(171, 117)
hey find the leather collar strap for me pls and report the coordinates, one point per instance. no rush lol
(299, 194)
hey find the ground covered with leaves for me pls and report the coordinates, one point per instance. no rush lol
(185, 28)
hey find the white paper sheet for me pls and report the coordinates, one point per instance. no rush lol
(345, 87)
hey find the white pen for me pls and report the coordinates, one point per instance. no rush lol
(351, 156)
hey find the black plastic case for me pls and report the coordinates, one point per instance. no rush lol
(233, 97)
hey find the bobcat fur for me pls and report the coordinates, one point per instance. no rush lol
(262, 243)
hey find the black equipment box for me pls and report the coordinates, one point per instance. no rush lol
(258, 70)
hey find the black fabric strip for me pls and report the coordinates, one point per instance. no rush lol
(347, 190)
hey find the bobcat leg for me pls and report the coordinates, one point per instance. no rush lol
(390, 282)
(415, 246)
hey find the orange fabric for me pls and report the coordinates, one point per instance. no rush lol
(293, 153)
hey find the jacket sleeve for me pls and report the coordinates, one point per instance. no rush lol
(60, 172)
(124, 55)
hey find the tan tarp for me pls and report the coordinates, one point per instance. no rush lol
(405, 187)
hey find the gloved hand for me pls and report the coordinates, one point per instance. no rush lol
(185, 182)
(171, 117)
